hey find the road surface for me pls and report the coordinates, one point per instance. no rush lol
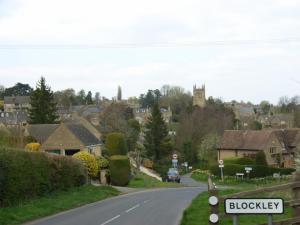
(149, 207)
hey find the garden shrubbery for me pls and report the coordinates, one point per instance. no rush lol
(33, 146)
(89, 161)
(257, 170)
(25, 175)
(119, 167)
(115, 144)
(239, 161)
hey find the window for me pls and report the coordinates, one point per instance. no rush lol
(272, 150)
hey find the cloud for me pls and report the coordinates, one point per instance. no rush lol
(255, 71)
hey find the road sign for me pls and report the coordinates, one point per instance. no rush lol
(221, 162)
(221, 166)
(248, 168)
(254, 206)
(174, 156)
(174, 162)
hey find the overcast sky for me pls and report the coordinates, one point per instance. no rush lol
(244, 50)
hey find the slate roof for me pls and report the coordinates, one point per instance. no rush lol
(83, 134)
(16, 99)
(41, 132)
(257, 140)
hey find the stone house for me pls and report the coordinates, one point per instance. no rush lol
(64, 138)
(277, 121)
(16, 103)
(142, 114)
(279, 146)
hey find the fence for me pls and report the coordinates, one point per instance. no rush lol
(294, 186)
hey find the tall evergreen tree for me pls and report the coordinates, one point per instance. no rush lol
(119, 94)
(88, 98)
(43, 107)
(157, 142)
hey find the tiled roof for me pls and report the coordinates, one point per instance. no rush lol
(257, 140)
(41, 132)
(16, 99)
(82, 133)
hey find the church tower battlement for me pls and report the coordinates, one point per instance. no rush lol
(199, 96)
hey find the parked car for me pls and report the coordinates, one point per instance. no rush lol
(173, 175)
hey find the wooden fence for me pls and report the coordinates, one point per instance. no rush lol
(294, 186)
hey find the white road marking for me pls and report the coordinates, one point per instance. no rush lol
(146, 201)
(110, 220)
(132, 208)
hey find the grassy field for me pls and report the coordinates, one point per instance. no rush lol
(54, 203)
(197, 212)
(141, 180)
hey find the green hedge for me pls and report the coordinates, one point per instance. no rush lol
(239, 160)
(257, 170)
(119, 167)
(115, 144)
(25, 175)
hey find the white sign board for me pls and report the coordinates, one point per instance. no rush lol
(174, 156)
(221, 162)
(254, 206)
(221, 166)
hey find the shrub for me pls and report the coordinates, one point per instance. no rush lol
(115, 144)
(119, 167)
(260, 159)
(89, 161)
(257, 170)
(148, 163)
(25, 175)
(162, 166)
(102, 162)
(33, 146)
(239, 161)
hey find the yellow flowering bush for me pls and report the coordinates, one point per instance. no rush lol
(89, 161)
(33, 146)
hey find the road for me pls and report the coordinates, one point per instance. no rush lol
(150, 207)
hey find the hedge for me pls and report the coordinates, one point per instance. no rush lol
(257, 170)
(115, 144)
(119, 167)
(239, 160)
(25, 175)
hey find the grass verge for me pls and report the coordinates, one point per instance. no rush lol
(141, 180)
(197, 213)
(54, 203)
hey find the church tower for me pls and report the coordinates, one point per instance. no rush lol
(199, 96)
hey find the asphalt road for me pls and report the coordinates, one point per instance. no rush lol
(150, 207)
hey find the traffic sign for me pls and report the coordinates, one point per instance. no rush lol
(254, 206)
(174, 162)
(221, 162)
(221, 166)
(248, 168)
(175, 156)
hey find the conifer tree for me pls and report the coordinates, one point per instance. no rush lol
(119, 94)
(43, 107)
(88, 98)
(157, 142)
